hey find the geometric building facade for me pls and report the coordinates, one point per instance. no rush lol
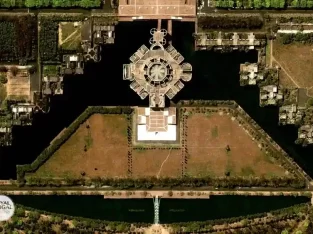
(157, 72)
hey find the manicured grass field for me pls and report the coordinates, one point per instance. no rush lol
(207, 140)
(158, 162)
(105, 142)
(296, 59)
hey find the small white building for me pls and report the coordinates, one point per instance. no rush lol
(156, 125)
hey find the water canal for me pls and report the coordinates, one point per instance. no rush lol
(171, 210)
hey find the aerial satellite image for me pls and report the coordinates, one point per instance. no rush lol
(156, 116)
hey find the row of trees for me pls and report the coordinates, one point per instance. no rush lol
(62, 3)
(257, 4)
(50, 3)
(302, 3)
(264, 4)
(184, 182)
(228, 22)
(11, 3)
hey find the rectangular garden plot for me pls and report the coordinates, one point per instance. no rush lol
(157, 162)
(98, 148)
(218, 146)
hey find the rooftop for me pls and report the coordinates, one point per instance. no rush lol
(156, 124)
(157, 71)
(157, 9)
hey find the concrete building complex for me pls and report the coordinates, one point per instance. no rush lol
(129, 10)
(157, 72)
(305, 133)
(93, 35)
(156, 125)
(290, 114)
(250, 74)
(204, 40)
(270, 95)
(23, 113)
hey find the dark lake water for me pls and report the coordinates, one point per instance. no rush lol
(215, 77)
(171, 210)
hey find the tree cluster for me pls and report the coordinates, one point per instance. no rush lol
(249, 4)
(305, 38)
(11, 3)
(18, 37)
(278, 221)
(62, 3)
(228, 22)
(31, 222)
(301, 3)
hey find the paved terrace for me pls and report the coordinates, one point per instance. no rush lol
(157, 9)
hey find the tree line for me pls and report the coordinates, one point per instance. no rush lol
(264, 4)
(157, 183)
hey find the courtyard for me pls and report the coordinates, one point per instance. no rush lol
(69, 35)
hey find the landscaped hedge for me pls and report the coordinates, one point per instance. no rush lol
(21, 169)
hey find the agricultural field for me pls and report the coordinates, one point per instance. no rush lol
(157, 162)
(218, 146)
(98, 148)
(18, 37)
(295, 70)
(69, 35)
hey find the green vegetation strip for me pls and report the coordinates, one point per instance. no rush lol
(50, 3)
(296, 212)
